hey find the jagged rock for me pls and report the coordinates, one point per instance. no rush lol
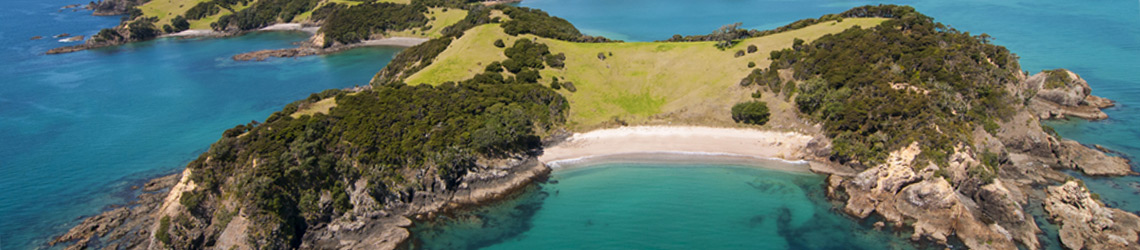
(126, 227)
(261, 55)
(897, 193)
(1088, 224)
(1090, 161)
(1072, 98)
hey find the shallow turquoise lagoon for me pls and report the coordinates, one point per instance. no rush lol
(661, 206)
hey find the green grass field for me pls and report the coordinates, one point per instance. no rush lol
(305, 16)
(165, 10)
(641, 82)
(438, 18)
(321, 106)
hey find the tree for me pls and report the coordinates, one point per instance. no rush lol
(726, 35)
(499, 43)
(180, 23)
(752, 48)
(751, 112)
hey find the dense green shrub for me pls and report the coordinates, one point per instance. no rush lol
(142, 29)
(1056, 78)
(499, 43)
(751, 112)
(179, 23)
(163, 232)
(361, 21)
(533, 21)
(848, 77)
(263, 13)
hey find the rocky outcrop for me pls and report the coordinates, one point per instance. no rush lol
(1059, 93)
(385, 228)
(72, 39)
(895, 191)
(125, 227)
(1088, 224)
(1092, 161)
(261, 55)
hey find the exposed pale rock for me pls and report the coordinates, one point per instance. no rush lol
(1088, 224)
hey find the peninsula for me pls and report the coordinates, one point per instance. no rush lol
(914, 122)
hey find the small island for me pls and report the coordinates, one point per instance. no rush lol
(925, 126)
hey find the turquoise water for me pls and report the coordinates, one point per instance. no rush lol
(77, 130)
(661, 206)
(1099, 40)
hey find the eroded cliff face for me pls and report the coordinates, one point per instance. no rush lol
(958, 199)
(900, 194)
(1060, 93)
(1088, 224)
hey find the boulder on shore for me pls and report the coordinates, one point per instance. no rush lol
(1088, 224)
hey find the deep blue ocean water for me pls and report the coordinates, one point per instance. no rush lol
(77, 130)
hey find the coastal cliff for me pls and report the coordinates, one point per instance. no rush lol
(987, 211)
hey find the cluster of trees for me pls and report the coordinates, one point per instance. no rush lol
(177, 24)
(212, 7)
(533, 21)
(375, 135)
(142, 29)
(726, 34)
(847, 83)
(359, 22)
(751, 112)
(263, 13)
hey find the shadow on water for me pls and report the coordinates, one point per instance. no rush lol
(482, 226)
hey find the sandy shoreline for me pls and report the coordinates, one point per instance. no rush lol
(195, 33)
(394, 41)
(691, 144)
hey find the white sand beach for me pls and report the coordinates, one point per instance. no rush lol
(291, 26)
(394, 41)
(641, 142)
(194, 33)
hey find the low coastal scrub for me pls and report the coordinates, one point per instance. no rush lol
(908, 80)
(537, 22)
(360, 22)
(264, 13)
(305, 166)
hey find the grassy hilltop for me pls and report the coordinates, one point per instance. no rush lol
(638, 80)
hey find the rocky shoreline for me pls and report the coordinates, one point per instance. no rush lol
(123, 227)
(133, 226)
(309, 49)
(940, 203)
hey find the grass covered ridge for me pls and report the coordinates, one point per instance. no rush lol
(638, 82)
